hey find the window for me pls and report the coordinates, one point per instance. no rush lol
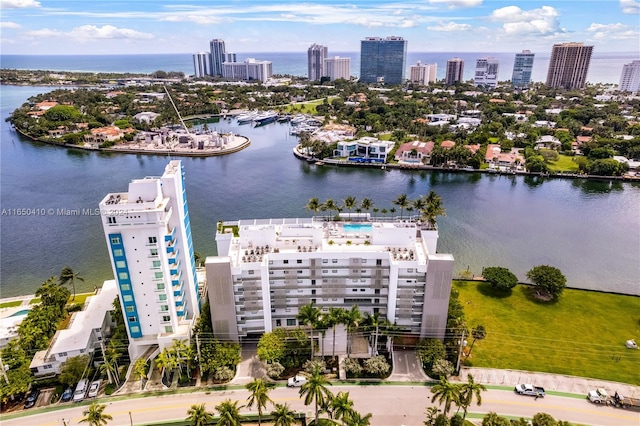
(376, 300)
(135, 329)
(121, 264)
(377, 291)
(116, 240)
(291, 322)
(164, 308)
(160, 286)
(300, 272)
(166, 318)
(156, 263)
(313, 282)
(325, 260)
(313, 291)
(47, 367)
(364, 260)
(362, 289)
(129, 309)
(153, 240)
(125, 287)
(132, 319)
(334, 260)
(324, 271)
(168, 329)
(278, 323)
(354, 289)
(410, 270)
(153, 252)
(123, 275)
(378, 262)
(162, 297)
(127, 298)
(118, 253)
(334, 271)
(271, 262)
(356, 260)
(111, 219)
(299, 261)
(286, 261)
(251, 271)
(158, 275)
(62, 354)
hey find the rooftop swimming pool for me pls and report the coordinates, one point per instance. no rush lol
(20, 313)
(356, 227)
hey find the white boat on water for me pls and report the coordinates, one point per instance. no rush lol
(265, 118)
(246, 118)
(298, 119)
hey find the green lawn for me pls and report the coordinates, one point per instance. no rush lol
(564, 163)
(11, 304)
(307, 107)
(583, 334)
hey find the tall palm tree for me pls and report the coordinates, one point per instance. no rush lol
(313, 205)
(419, 204)
(366, 204)
(111, 369)
(434, 208)
(350, 203)
(283, 415)
(330, 205)
(95, 416)
(341, 406)
(315, 390)
(198, 415)
(392, 211)
(164, 362)
(373, 323)
(403, 202)
(68, 276)
(229, 412)
(335, 317)
(352, 319)
(478, 332)
(446, 392)
(468, 391)
(259, 395)
(356, 419)
(309, 315)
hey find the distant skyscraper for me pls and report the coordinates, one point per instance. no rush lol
(569, 65)
(316, 55)
(337, 67)
(201, 64)
(486, 74)
(455, 71)
(522, 67)
(422, 73)
(217, 56)
(383, 60)
(250, 69)
(630, 77)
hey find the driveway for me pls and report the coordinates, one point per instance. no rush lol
(407, 367)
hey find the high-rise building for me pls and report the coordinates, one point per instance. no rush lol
(423, 74)
(455, 71)
(316, 54)
(250, 69)
(383, 60)
(337, 67)
(229, 57)
(522, 67)
(148, 233)
(568, 65)
(201, 64)
(486, 74)
(270, 268)
(218, 51)
(630, 77)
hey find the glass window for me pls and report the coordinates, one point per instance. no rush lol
(156, 263)
(251, 271)
(125, 287)
(129, 309)
(153, 240)
(127, 298)
(168, 329)
(132, 319)
(135, 329)
(166, 318)
(325, 260)
(153, 252)
(158, 275)
(162, 297)
(123, 275)
(291, 322)
(115, 240)
(299, 261)
(164, 308)
(118, 253)
(160, 286)
(121, 264)
(286, 261)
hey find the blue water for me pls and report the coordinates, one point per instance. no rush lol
(356, 227)
(604, 68)
(20, 313)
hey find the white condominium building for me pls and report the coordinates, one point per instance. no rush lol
(337, 67)
(250, 69)
(316, 54)
(266, 269)
(423, 74)
(486, 74)
(630, 77)
(202, 64)
(148, 233)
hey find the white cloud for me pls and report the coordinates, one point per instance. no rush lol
(195, 18)
(18, 4)
(631, 7)
(457, 3)
(612, 32)
(92, 32)
(541, 21)
(9, 25)
(449, 27)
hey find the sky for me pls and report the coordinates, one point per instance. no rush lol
(41, 27)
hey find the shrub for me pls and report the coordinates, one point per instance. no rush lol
(275, 370)
(352, 366)
(442, 368)
(377, 365)
(500, 278)
(314, 365)
(224, 374)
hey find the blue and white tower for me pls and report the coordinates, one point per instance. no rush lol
(148, 233)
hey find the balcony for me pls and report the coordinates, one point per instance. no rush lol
(175, 268)
(170, 236)
(175, 279)
(171, 247)
(177, 289)
(173, 258)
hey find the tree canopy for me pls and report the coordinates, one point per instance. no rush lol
(500, 278)
(548, 280)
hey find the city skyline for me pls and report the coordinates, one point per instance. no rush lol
(59, 27)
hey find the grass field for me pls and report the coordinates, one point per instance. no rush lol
(308, 107)
(564, 163)
(583, 334)
(11, 304)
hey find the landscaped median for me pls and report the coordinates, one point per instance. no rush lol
(582, 334)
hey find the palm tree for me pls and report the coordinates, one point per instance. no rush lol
(95, 416)
(468, 391)
(432, 415)
(392, 210)
(330, 205)
(419, 204)
(335, 317)
(313, 206)
(309, 315)
(68, 276)
(446, 392)
(315, 390)
(341, 406)
(373, 323)
(111, 369)
(198, 415)
(259, 389)
(229, 413)
(403, 202)
(140, 368)
(349, 203)
(283, 416)
(434, 208)
(366, 204)
(164, 362)
(478, 332)
(384, 212)
(351, 319)
(356, 419)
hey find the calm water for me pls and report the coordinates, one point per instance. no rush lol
(604, 67)
(590, 230)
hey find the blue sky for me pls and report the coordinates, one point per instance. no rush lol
(158, 26)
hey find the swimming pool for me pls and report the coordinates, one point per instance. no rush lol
(20, 313)
(356, 227)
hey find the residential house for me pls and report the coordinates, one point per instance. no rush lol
(414, 152)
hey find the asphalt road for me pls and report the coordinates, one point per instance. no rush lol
(390, 406)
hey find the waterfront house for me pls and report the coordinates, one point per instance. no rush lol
(548, 141)
(414, 152)
(366, 147)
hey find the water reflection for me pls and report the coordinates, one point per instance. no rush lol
(591, 186)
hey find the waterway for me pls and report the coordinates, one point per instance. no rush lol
(588, 229)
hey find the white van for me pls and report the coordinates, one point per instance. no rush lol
(81, 390)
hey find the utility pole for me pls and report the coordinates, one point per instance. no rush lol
(3, 370)
(460, 350)
(199, 355)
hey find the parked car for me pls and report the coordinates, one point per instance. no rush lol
(296, 381)
(67, 395)
(81, 390)
(531, 390)
(94, 388)
(32, 398)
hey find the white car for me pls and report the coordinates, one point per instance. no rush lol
(93, 389)
(296, 381)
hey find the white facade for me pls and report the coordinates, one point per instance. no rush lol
(83, 335)
(316, 54)
(217, 51)
(423, 74)
(250, 69)
(337, 67)
(486, 74)
(365, 147)
(148, 233)
(272, 267)
(201, 64)
(630, 77)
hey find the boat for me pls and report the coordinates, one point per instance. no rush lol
(298, 119)
(284, 118)
(246, 118)
(265, 118)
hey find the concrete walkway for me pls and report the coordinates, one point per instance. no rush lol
(407, 368)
